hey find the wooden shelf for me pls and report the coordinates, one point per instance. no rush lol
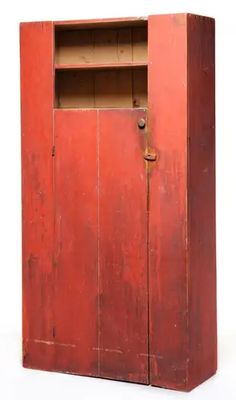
(101, 88)
(101, 23)
(87, 66)
(101, 68)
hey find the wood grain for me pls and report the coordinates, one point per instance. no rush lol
(119, 254)
(201, 199)
(101, 88)
(182, 201)
(123, 247)
(37, 187)
(168, 209)
(75, 263)
(95, 46)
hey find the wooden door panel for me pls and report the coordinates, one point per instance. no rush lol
(100, 295)
(123, 336)
(75, 261)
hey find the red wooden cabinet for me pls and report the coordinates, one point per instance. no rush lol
(118, 161)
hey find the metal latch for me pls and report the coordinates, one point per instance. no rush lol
(141, 123)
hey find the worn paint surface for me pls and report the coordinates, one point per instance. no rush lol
(37, 188)
(201, 199)
(168, 194)
(100, 276)
(123, 314)
(75, 262)
(118, 251)
(182, 201)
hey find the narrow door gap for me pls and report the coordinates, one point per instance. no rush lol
(147, 246)
(98, 246)
(54, 240)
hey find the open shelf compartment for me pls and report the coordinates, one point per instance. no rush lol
(101, 67)
(102, 45)
(101, 88)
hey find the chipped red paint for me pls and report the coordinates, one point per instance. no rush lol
(119, 226)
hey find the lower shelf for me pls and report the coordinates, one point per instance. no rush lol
(116, 88)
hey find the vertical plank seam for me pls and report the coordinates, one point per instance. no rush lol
(53, 328)
(149, 299)
(98, 245)
(187, 227)
(132, 72)
(147, 255)
(25, 319)
(94, 76)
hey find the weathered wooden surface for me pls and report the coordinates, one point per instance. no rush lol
(168, 192)
(118, 269)
(182, 201)
(75, 302)
(100, 261)
(201, 199)
(37, 189)
(122, 247)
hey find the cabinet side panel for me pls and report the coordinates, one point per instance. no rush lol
(167, 91)
(201, 195)
(37, 137)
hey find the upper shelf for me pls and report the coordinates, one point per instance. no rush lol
(124, 65)
(101, 48)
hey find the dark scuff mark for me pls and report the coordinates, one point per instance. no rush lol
(53, 332)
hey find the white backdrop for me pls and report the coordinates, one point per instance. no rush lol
(17, 383)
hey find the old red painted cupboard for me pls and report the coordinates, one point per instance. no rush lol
(119, 198)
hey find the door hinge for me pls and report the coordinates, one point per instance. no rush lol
(53, 151)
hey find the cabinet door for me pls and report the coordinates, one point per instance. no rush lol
(101, 301)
